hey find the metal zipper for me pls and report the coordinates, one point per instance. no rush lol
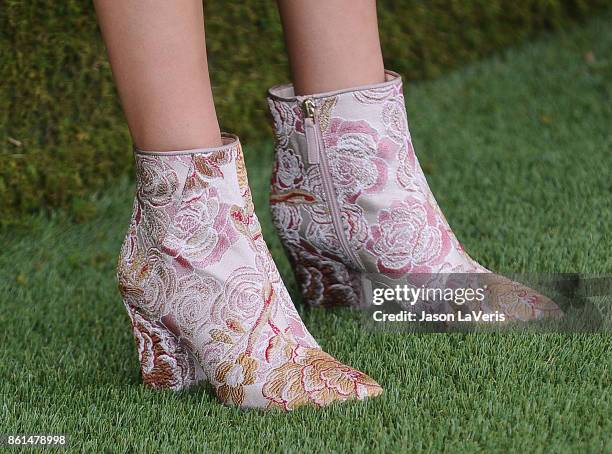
(316, 155)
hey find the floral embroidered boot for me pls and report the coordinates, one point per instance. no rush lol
(353, 207)
(204, 295)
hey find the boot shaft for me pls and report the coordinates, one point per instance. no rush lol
(349, 195)
(345, 163)
(190, 208)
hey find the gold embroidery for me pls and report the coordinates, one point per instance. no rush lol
(325, 112)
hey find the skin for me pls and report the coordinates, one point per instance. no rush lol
(331, 46)
(157, 52)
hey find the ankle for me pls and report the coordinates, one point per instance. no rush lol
(177, 136)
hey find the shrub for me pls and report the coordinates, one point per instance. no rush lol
(62, 133)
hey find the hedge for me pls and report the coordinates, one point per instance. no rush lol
(62, 133)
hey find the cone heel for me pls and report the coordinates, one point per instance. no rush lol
(325, 281)
(164, 363)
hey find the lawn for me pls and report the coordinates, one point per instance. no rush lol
(518, 151)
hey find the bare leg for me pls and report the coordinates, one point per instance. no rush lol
(332, 44)
(158, 56)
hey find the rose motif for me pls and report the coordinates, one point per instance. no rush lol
(323, 281)
(314, 184)
(242, 297)
(201, 232)
(288, 170)
(191, 305)
(312, 376)
(409, 174)
(407, 238)
(158, 283)
(154, 222)
(518, 301)
(157, 182)
(358, 157)
(324, 237)
(158, 365)
(130, 290)
(146, 282)
(394, 118)
(285, 117)
(287, 221)
(355, 226)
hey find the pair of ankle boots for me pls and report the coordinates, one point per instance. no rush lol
(354, 213)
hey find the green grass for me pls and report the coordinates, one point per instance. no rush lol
(517, 150)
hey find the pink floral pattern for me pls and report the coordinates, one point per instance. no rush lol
(202, 231)
(289, 171)
(407, 239)
(203, 293)
(390, 224)
(357, 157)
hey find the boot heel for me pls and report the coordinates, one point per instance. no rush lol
(164, 363)
(325, 281)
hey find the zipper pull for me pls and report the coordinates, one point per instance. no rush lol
(309, 108)
(310, 130)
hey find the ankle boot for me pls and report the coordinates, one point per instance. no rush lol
(204, 295)
(354, 210)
